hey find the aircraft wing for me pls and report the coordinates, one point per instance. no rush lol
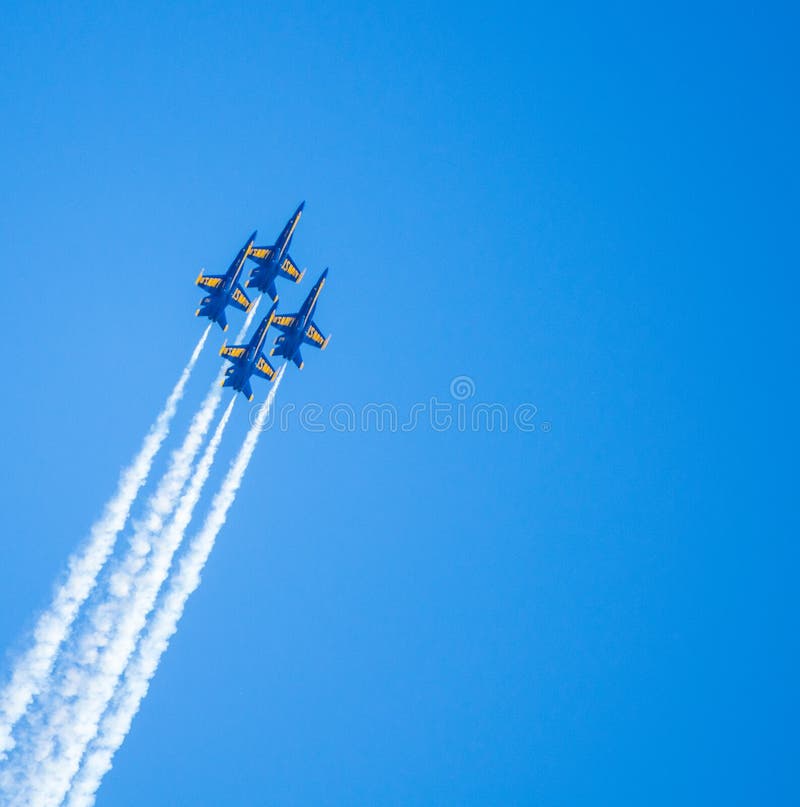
(240, 299)
(233, 353)
(313, 336)
(284, 322)
(264, 369)
(261, 254)
(289, 269)
(209, 281)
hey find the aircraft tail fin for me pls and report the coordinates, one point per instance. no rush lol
(207, 309)
(280, 350)
(231, 380)
(260, 279)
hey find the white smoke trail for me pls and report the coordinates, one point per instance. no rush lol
(117, 721)
(48, 785)
(32, 669)
(69, 716)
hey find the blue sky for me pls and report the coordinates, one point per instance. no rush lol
(589, 209)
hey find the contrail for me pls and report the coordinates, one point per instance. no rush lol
(33, 668)
(48, 784)
(117, 721)
(70, 715)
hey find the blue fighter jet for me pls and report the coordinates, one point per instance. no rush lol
(225, 289)
(248, 359)
(274, 261)
(299, 329)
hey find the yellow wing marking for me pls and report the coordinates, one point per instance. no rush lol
(264, 367)
(315, 336)
(283, 319)
(208, 282)
(232, 352)
(241, 299)
(261, 252)
(292, 270)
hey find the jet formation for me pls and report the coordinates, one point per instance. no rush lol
(272, 262)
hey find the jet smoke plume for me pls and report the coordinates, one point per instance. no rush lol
(49, 782)
(67, 715)
(33, 668)
(163, 624)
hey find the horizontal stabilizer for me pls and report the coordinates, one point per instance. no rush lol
(208, 310)
(280, 350)
(233, 379)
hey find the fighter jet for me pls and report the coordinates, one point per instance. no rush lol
(248, 359)
(225, 289)
(274, 261)
(299, 329)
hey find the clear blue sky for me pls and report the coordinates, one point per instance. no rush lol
(593, 209)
